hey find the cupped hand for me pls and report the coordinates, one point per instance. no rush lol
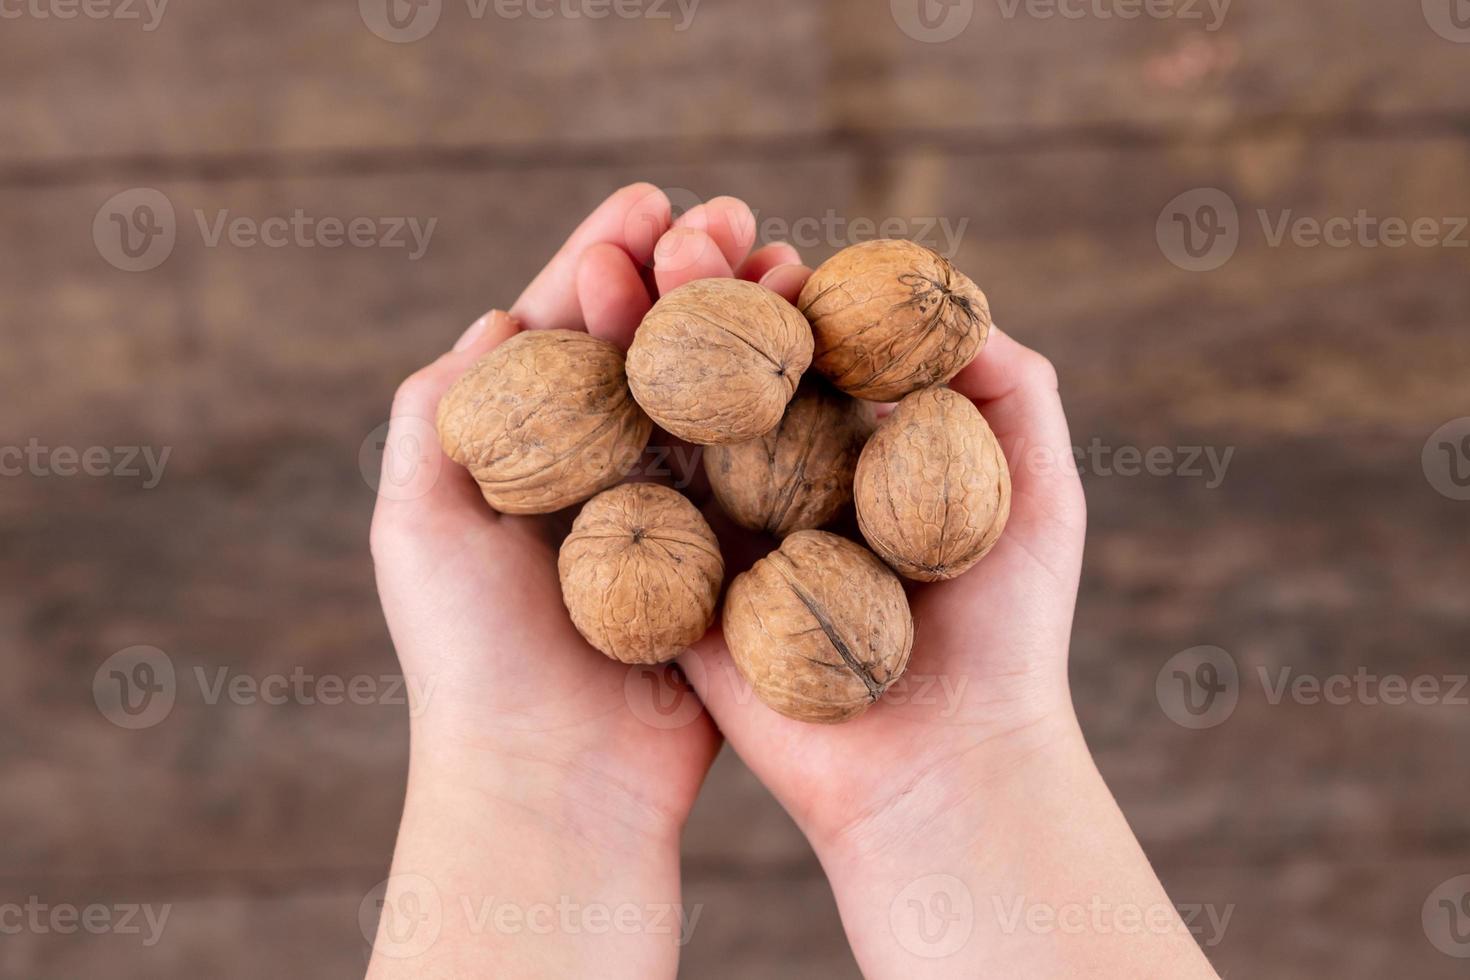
(513, 694)
(986, 684)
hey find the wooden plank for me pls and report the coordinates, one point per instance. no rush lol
(264, 370)
(1294, 919)
(287, 77)
(1302, 919)
(315, 84)
(1023, 69)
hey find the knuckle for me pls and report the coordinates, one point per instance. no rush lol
(413, 392)
(1038, 371)
(379, 538)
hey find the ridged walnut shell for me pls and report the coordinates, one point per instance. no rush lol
(819, 628)
(933, 491)
(544, 421)
(891, 317)
(716, 360)
(641, 573)
(799, 475)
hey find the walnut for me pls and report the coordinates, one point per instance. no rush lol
(933, 491)
(798, 475)
(716, 360)
(891, 317)
(641, 573)
(820, 628)
(544, 421)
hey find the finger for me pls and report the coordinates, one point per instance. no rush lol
(1015, 389)
(611, 293)
(754, 730)
(684, 255)
(633, 219)
(729, 223)
(417, 479)
(763, 260)
(786, 281)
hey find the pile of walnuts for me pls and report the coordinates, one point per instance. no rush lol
(820, 627)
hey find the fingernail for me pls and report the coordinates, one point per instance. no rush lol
(681, 249)
(473, 333)
(784, 280)
(696, 218)
(672, 242)
(783, 245)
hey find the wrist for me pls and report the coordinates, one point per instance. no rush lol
(506, 868)
(561, 794)
(947, 806)
(1013, 860)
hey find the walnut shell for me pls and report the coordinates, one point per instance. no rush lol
(716, 360)
(891, 317)
(641, 573)
(819, 628)
(798, 475)
(544, 421)
(933, 491)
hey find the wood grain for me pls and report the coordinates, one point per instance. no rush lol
(1050, 149)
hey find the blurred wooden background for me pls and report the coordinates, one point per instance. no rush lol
(1060, 141)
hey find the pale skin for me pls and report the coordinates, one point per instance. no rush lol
(543, 811)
